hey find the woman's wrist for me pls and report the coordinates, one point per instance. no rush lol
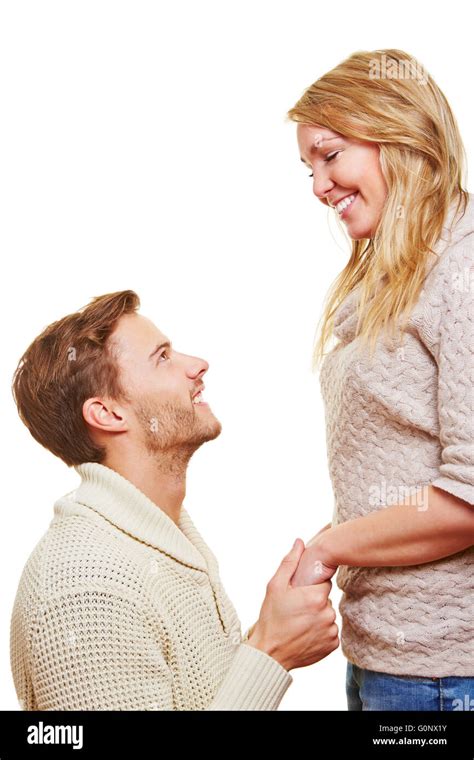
(325, 547)
(316, 564)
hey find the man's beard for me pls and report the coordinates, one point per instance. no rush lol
(174, 430)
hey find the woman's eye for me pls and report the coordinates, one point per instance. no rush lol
(328, 158)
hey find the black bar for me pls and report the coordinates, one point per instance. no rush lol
(152, 734)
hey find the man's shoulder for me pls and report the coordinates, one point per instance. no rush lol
(80, 550)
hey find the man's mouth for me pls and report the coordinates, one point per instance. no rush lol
(199, 400)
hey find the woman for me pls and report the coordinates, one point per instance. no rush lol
(385, 153)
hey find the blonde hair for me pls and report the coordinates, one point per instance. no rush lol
(422, 159)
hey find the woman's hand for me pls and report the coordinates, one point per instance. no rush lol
(314, 566)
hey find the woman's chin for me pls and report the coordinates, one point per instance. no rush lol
(359, 236)
(359, 232)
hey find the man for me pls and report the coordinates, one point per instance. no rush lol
(120, 605)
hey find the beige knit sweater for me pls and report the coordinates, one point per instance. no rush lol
(118, 608)
(402, 422)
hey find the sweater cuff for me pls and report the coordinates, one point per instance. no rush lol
(463, 491)
(248, 632)
(254, 681)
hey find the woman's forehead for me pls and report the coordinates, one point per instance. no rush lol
(313, 130)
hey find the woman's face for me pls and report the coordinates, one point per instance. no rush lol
(342, 167)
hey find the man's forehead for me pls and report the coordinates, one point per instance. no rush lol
(137, 331)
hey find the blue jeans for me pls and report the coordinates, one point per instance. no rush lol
(369, 690)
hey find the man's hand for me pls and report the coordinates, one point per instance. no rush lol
(296, 625)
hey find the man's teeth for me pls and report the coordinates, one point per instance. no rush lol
(345, 203)
(198, 398)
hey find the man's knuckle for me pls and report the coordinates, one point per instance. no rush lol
(320, 602)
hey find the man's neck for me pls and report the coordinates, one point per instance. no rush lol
(162, 479)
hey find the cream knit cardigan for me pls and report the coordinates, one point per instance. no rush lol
(118, 608)
(396, 424)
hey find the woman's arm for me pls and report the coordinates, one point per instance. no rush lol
(397, 535)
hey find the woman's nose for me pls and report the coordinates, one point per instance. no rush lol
(321, 187)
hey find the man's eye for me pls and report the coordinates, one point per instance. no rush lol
(164, 355)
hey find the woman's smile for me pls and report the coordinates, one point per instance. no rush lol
(344, 207)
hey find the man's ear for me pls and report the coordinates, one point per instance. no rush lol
(105, 415)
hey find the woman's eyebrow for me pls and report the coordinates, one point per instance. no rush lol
(315, 148)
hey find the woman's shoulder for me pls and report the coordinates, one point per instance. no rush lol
(453, 253)
(445, 305)
(458, 223)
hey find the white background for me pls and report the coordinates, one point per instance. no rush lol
(144, 145)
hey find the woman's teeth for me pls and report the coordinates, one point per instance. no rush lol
(345, 203)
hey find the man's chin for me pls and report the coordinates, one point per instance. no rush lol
(212, 430)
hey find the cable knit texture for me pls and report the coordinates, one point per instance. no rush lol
(395, 424)
(118, 608)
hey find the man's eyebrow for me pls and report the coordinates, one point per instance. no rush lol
(166, 344)
(314, 148)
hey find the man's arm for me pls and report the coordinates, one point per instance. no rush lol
(98, 650)
(405, 534)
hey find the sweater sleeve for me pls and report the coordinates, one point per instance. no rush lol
(97, 650)
(254, 681)
(448, 332)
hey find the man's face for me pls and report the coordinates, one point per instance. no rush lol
(163, 412)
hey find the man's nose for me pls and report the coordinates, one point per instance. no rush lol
(197, 367)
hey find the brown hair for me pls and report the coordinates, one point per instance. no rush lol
(68, 363)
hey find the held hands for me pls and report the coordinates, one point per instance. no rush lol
(313, 567)
(296, 626)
